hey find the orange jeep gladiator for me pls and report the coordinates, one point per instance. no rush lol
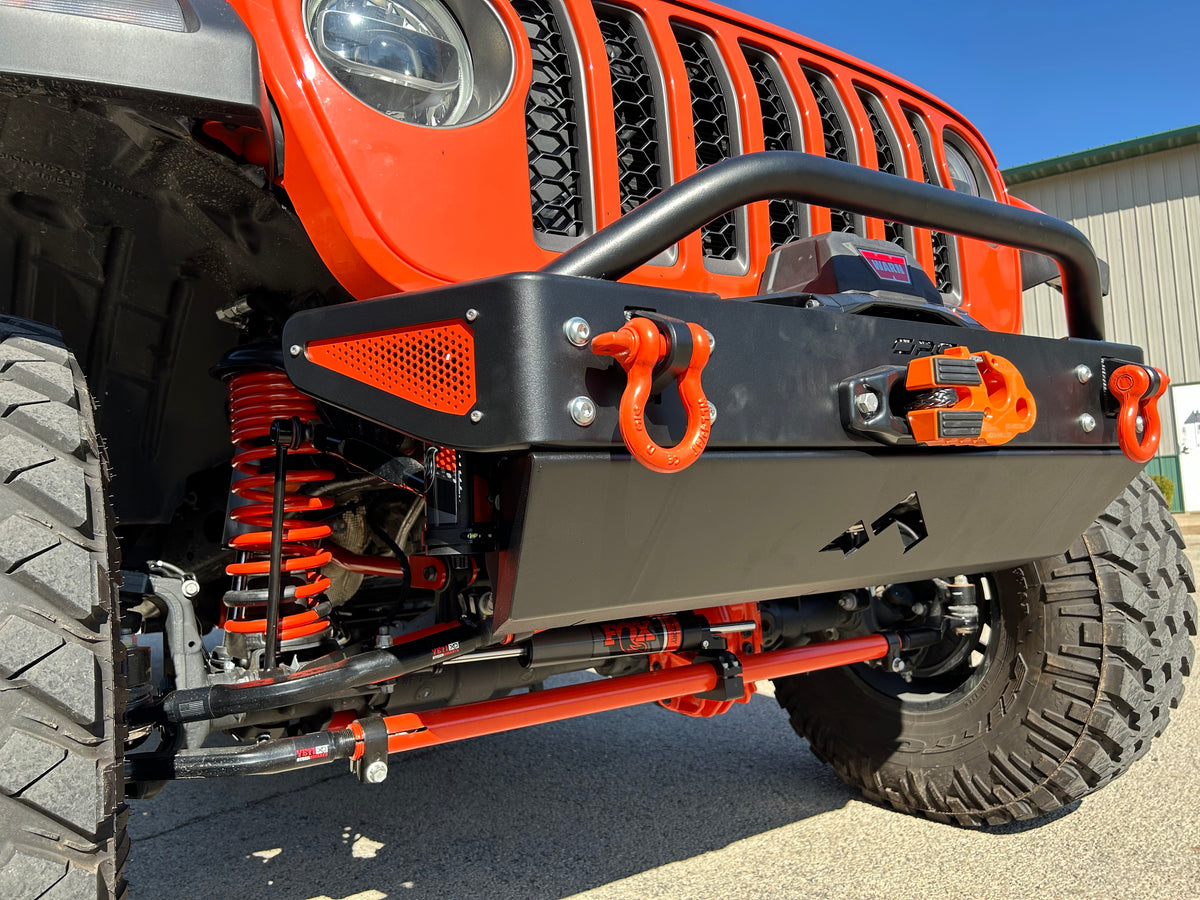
(378, 360)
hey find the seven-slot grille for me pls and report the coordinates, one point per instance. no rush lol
(559, 156)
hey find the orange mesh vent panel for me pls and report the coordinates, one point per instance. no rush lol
(432, 365)
(446, 460)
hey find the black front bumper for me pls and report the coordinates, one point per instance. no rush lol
(785, 487)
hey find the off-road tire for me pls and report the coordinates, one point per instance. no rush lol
(1091, 650)
(62, 809)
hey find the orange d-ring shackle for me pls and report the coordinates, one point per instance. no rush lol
(1138, 388)
(639, 347)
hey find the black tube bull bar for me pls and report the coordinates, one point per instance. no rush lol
(653, 227)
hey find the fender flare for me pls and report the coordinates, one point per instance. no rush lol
(198, 59)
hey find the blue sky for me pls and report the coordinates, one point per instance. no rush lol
(1038, 79)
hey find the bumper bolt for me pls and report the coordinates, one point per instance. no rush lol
(867, 403)
(1087, 422)
(583, 411)
(578, 331)
(472, 315)
(376, 772)
(295, 350)
(1083, 373)
(476, 416)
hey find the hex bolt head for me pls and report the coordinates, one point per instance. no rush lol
(899, 665)
(1083, 373)
(1087, 422)
(583, 411)
(190, 587)
(472, 315)
(867, 403)
(578, 331)
(848, 601)
(295, 350)
(376, 772)
(476, 416)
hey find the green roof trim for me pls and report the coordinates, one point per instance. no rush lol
(1098, 156)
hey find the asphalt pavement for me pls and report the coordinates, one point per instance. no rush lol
(647, 803)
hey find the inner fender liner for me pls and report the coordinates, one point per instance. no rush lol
(209, 70)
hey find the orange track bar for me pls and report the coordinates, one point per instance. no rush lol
(409, 731)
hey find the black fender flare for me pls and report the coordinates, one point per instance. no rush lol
(196, 59)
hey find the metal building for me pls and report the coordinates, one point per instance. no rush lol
(1138, 202)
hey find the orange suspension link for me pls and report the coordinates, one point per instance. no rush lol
(256, 399)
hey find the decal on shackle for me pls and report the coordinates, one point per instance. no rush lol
(887, 266)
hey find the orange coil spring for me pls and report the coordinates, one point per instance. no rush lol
(256, 399)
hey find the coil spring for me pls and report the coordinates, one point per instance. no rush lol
(256, 399)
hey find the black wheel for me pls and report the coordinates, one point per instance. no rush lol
(62, 825)
(1079, 662)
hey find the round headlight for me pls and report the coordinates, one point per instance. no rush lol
(406, 58)
(962, 176)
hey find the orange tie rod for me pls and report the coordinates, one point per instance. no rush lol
(408, 731)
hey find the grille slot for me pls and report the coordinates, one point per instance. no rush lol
(552, 129)
(711, 126)
(886, 159)
(786, 217)
(942, 268)
(640, 149)
(836, 146)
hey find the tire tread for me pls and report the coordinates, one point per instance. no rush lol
(1120, 620)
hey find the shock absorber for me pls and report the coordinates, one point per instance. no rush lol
(258, 398)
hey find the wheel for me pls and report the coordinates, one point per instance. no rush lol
(1080, 660)
(62, 826)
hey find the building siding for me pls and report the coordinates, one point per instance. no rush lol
(1143, 217)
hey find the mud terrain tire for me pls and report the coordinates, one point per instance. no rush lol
(1088, 659)
(62, 809)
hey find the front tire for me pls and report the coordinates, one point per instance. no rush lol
(1086, 659)
(62, 809)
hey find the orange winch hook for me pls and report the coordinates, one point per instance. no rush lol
(1138, 388)
(639, 347)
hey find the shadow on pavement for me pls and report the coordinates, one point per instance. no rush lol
(544, 812)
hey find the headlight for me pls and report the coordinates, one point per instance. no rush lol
(962, 176)
(406, 58)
